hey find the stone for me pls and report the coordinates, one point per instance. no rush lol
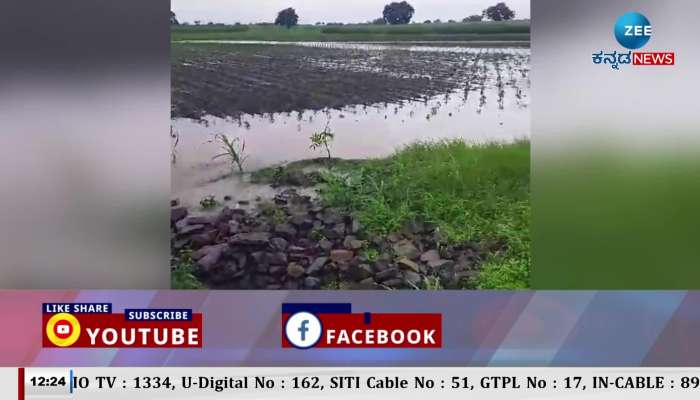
(241, 260)
(466, 275)
(325, 244)
(228, 272)
(286, 230)
(365, 271)
(331, 234)
(278, 243)
(278, 258)
(203, 239)
(441, 264)
(291, 285)
(295, 270)
(394, 283)
(189, 229)
(262, 268)
(260, 281)
(331, 216)
(317, 266)
(413, 278)
(312, 283)
(234, 227)
(302, 221)
(277, 270)
(341, 256)
(367, 284)
(243, 202)
(405, 248)
(381, 265)
(259, 257)
(430, 255)
(180, 244)
(405, 263)
(200, 220)
(225, 215)
(389, 273)
(339, 229)
(351, 243)
(223, 229)
(355, 226)
(250, 239)
(178, 213)
(210, 256)
(227, 198)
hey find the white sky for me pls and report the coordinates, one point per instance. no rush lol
(311, 11)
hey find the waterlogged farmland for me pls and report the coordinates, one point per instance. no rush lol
(375, 223)
(375, 98)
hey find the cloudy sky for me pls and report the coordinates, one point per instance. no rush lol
(311, 11)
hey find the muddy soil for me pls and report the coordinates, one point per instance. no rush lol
(232, 80)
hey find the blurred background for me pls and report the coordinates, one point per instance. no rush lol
(84, 171)
(616, 153)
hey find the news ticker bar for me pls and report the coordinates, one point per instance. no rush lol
(384, 383)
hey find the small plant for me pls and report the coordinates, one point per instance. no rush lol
(323, 140)
(270, 210)
(234, 149)
(316, 234)
(175, 139)
(371, 254)
(182, 276)
(432, 283)
(208, 202)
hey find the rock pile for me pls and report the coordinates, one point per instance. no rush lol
(295, 243)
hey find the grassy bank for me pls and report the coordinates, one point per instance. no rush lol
(474, 31)
(476, 193)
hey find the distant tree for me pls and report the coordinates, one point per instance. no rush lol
(398, 13)
(173, 19)
(427, 21)
(499, 12)
(451, 21)
(379, 21)
(473, 18)
(287, 17)
(437, 21)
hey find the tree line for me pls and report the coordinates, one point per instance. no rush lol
(395, 13)
(399, 13)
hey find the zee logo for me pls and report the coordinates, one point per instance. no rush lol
(633, 30)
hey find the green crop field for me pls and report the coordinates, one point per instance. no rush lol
(473, 31)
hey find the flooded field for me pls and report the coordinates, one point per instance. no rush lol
(374, 97)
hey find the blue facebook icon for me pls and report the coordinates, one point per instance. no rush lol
(303, 329)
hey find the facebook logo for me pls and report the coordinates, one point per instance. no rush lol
(303, 330)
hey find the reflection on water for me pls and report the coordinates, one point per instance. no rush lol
(490, 105)
(360, 132)
(418, 46)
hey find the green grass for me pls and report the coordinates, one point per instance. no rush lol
(474, 31)
(473, 193)
(182, 276)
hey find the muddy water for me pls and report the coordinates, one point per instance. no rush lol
(496, 113)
